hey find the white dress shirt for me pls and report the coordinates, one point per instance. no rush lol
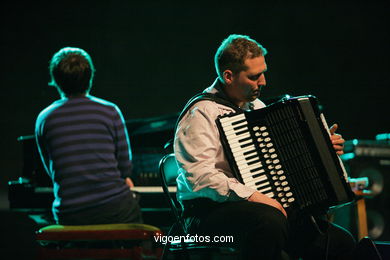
(204, 171)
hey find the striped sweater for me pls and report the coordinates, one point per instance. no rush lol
(85, 149)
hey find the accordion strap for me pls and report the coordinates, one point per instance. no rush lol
(195, 99)
(206, 96)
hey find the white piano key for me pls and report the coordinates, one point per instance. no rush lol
(234, 118)
(248, 172)
(243, 150)
(231, 133)
(264, 190)
(252, 166)
(230, 124)
(257, 185)
(233, 138)
(250, 178)
(269, 194)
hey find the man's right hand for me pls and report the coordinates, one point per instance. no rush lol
(261, 198)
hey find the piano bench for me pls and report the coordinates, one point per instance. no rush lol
(105, 241)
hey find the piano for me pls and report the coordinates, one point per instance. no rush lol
(32, 192)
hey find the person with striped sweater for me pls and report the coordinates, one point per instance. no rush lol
(85, 148)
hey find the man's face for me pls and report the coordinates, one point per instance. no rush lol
(246, 85)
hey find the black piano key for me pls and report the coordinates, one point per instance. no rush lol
(249, 152)
(238, 122)
(255, 170)
(245, 139)
(239, 127)
(253, 162)
(251, 157)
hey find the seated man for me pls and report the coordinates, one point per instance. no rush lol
(214, 201)
(84, 146)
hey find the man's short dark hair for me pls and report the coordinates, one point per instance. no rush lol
(233, 52)
(71, 70)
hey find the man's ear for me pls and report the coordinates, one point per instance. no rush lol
(227, 76)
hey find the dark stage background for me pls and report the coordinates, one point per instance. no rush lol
(152, 56)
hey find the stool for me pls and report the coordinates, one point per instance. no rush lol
(105, 241)
(361, 212)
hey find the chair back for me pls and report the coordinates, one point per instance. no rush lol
(169, 170)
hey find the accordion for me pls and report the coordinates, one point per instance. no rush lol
(284, 151)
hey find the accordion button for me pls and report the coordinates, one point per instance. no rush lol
(270, 145)
(282, 178)
(272, 172)
(276, 183)
(272, 150)
(270, 166)
(274, 155)
(257, 134)
(279, 189)
(268, 161)
(291, 200)
(260, 140)
(281, 194)
(286, 205)
(267, 139)
(286, 188)
(289, 194)
(264, 150)
(265, 134)
(262, 145)
(256, 128)
(276, 161)
(277, 167)
(275, 178)
(263, 128)
(280, 172)
(283, 200)
(284, 183)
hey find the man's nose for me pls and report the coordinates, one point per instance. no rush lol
(261, 82)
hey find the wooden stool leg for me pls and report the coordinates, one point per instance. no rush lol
(362, 218)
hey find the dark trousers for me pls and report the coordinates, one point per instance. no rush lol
(262, 232)
(125, 210)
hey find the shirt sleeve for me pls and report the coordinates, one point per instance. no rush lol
(122, 145)
(39, 139)
(199, 153)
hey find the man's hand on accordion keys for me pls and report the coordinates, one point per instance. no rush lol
(337, 140)
(261, 198)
